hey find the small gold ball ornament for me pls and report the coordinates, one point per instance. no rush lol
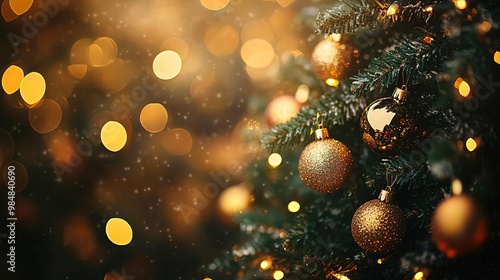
(378, 226)
(330, 59)
(458, 226)
(325, 164)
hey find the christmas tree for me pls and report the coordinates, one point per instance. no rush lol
(389, 170)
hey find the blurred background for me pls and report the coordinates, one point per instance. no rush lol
(130, 124)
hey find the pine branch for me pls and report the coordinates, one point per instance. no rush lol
(335, 107)
(413, 58)
(362, 14)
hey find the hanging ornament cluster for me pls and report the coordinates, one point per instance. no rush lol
(389, 125)
(458, 226)
(378, 226)
(325, 164)
(330, 60)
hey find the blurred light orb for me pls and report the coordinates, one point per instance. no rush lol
(278, 275)
(176, 44)
(464, 89)
(274, 160)
(281, 109)
(293, 206)
(471, 144)
(20, 7)
(103, 51)
(153, 117)
(7, 12)
(78, 70)
(113, 136)
(302, 93)
(266, 264)
(257, 28)
(119, 231)
(46, 117)
(221, 39)
(178, 141)
(113, 77)
(32, 88)
(496, 57)
(257, 53)
(214, 5)
(167, 65)
(12, 78)
(234, 199)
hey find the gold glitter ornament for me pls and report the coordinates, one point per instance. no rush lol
(330, 59)
(458, 226)
(325, 164)
(378, 226)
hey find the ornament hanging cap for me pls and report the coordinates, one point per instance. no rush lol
(401, 94)
(387, 195)
(321, 132)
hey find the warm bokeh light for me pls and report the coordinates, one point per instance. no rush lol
(281, 109)
(302, 93)
(167, 65)
(119, 231)
(46, 117)
(496, 57)
(103, 51)
(78, 70)
(178, 141)
(457, 82)
(235, 199)
(177, 45)
(113, 77)
(257, 28)
(20, 6)
(278, 275)
(456, 186)
(257, 53)
(113, 136)
(32, 88)
(274, 160)
(332, 82)
(214, 5)
(471, 144)
(428, 9)
(484, 27)
(418, 276)
(340, 276)
(79, 53)
(153, 117)
(380, 261)
(7, 12)
(266, 264)
(221, 39)
(464, 89)
(12, 78)
(293, 206)
(460, 4)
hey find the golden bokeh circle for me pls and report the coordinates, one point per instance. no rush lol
(33, 88)
(153, 117)
(119, 231)
(12, 78)
(46, 117)
(113, 136)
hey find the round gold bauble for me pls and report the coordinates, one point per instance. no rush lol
(331, 59)
(378, 227)
(458, 226)
(325, 165)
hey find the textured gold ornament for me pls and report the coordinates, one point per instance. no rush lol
(330, 59)
(388, 125)
(325, 164)
(378, 226)
(458, 226)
